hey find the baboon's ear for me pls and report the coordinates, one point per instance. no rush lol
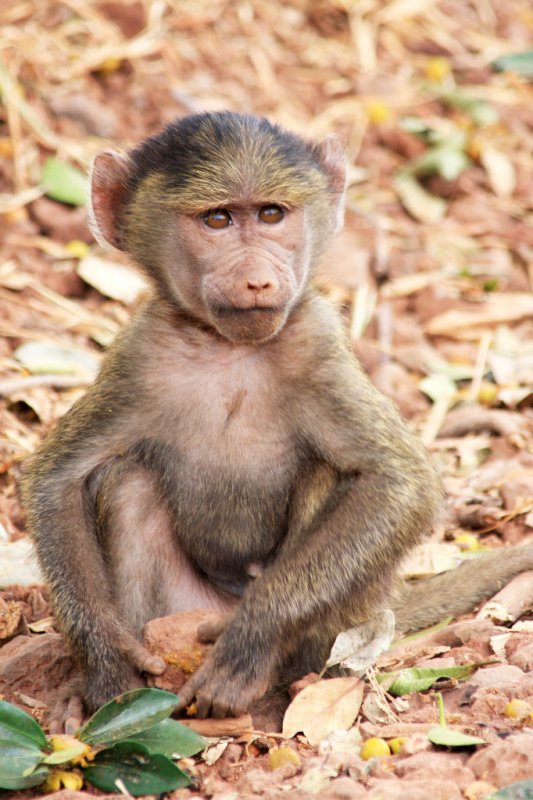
(333, 159)
(108, 198)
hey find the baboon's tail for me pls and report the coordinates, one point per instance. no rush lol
(419, 604)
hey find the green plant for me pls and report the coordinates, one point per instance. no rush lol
(128, 743)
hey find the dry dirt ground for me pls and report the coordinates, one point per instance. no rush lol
(433, 274)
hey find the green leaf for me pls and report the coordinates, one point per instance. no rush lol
(447, 737)
(171, 738)
(437, 386)
(447, 161)
(17, 765)
(62, 756)
(521, 63)
(128, 715)
(523, 790)
(44, 357)
(415, 125)
(418, 679)
(18, 727)
(140, 771)
(63, 182)
(479, 111)
(420, 634)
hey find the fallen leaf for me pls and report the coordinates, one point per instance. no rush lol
(358, 648)
(500, 171)
(111, 279)
(420, 204)
(18, 563)
(431, 558)
(42, 358)
(316, 781)
(64, 183)
(447, 737)
(341, 742)
(499, 307)
(418, 679)
(521, 63)
(376, 710)
(10, 618)
(212, 753)
(323, 707)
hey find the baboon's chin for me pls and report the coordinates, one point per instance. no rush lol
(251, 325)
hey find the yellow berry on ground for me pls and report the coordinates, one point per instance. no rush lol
(110, 65)
(517, 709)
(378, 112)
(77, 248)
(283, 755)
(61, 778)
(437, 68)
(395, 745)
(374, 747)
(467, 541)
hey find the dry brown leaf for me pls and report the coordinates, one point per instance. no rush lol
(498, 308)
(431, 558)
(500, 171)
(323, 707)
(10, 618)
(117, 281)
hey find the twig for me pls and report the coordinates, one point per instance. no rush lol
(11, 386)
(479, 369)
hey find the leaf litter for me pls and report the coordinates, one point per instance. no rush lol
(433, 100)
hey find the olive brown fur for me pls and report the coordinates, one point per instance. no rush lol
(232, 453)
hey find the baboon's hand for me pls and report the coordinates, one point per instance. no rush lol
(220, 691)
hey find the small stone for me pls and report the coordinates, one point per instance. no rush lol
(413, 790)
(503, 677)
(478, 790)
(428, 766)
(62, 223)
(344, 789)
(523, 658)
(232, 753)
(173, 638)
(505, 762)
(34, 665)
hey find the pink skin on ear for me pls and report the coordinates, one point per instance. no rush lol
(108, 196)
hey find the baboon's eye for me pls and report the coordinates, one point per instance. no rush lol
(271, 214)
(217, 218)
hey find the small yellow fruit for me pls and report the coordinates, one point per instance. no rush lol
(396, 744)
(517, 709)
(109, 66)
(488, 393)
(15, 215)
(437, 68)
(59, 778)
(282, 756)
(467, 541)
(374, 747)
(6, 146)
(378, 112)
(77, 248)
